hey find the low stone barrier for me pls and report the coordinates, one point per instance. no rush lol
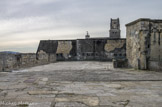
(120, 63)
(9, 61)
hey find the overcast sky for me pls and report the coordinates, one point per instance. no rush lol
(23, 23)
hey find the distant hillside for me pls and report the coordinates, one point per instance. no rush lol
(9, 52)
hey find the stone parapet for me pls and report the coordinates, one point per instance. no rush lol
(9, 62)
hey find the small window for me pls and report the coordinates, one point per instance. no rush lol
(142, 23)
(61, 54)
(74, 54)
(18, 58)
(115, 54)
(120, 54)
(148, 46)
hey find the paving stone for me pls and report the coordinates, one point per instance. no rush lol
(87, 100)
(42, 92)
(79, 84)
(69, 104)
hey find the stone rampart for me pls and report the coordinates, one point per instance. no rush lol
(9, 62)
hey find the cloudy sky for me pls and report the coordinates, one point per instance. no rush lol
(23, 23)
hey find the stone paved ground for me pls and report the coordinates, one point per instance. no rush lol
(80, 84)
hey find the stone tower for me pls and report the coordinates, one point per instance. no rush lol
(115, 28)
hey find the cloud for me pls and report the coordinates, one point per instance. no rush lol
(24, 22)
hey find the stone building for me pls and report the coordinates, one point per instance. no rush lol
(105, 49)
(142, 49)
(144, 44)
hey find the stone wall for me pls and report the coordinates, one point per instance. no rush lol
(155, 65)
(101, 49)
(144, 43)
(63, 49)
(9, 62)
(66, 50)
(85, 49)
(115, 48)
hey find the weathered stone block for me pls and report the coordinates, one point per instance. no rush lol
(120, 63)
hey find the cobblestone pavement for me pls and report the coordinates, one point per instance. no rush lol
(80, 84)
